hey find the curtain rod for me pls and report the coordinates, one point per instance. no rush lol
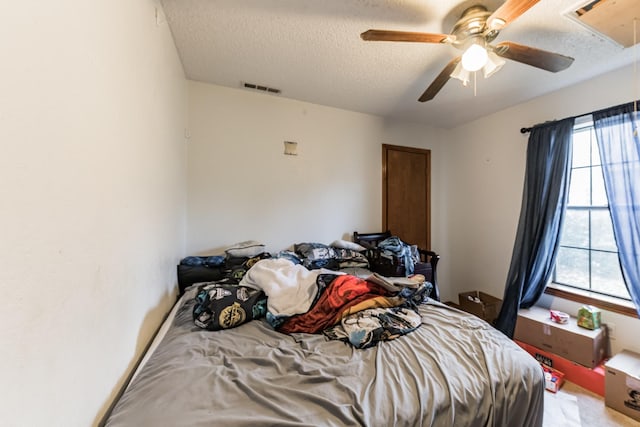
(527, 130)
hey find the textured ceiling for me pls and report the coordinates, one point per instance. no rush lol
(312, 51)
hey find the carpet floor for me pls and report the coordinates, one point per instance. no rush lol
(574, 406)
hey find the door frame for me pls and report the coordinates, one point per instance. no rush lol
(427, 153)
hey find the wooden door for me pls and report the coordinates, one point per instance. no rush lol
(406, 193)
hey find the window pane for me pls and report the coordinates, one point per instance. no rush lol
(572, 267)
(602, 231)
(575, 231)
(599, 196)
(606, 276)
(581, 146)
(579, 187)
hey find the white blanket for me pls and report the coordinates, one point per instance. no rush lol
(291, 288)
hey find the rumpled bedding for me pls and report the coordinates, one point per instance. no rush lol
(453, 370)
(368, 327)
(344, 295)
(291, 288)
(311, 301)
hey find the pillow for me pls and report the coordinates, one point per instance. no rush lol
(345, 244)
(246, 249)
(223, 305)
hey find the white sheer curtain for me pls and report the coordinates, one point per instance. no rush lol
(617, 132)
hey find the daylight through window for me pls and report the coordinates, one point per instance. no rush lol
(588, 255)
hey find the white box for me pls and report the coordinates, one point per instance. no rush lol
(622, 383)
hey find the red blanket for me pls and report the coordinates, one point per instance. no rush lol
(346, 294)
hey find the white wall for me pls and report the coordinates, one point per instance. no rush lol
(486, 173)
(242, 186)
(92, 220)
(92, 178)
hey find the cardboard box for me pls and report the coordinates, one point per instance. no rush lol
(485, 306)
(589, 378)
(568, 340)
(553, 378)
(622, 383)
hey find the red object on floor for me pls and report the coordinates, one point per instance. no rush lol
(591, 379)
(553, 378)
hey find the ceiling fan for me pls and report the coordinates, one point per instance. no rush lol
(473, 34)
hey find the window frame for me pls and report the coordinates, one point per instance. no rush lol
(616, 305)
(586, 296)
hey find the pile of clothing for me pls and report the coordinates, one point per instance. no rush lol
(301, 291)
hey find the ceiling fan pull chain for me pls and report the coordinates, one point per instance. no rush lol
(475, 83)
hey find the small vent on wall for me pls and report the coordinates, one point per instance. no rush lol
(261, 88)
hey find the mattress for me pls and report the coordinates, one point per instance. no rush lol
(454, 370)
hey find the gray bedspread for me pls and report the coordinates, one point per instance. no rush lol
(454, 370)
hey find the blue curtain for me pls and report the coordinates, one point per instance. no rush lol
(617, 135)
(545, 194)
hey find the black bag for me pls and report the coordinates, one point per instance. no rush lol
(223, 305)
(198, 269)
(386, 265)
(190, 274)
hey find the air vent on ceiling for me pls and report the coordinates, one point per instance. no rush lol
(612, 19)
(261, 88)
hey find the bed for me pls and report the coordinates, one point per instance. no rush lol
(454, 369)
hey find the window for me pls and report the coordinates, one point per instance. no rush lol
(588, 256)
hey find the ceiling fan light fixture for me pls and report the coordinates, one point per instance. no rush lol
(493, 65)
(461, 74)
(497, 24)
(473, 34)
(475, 57)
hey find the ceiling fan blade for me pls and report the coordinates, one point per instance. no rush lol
(439, 82)
(538, 58)
(404, 36)
(508, 12)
